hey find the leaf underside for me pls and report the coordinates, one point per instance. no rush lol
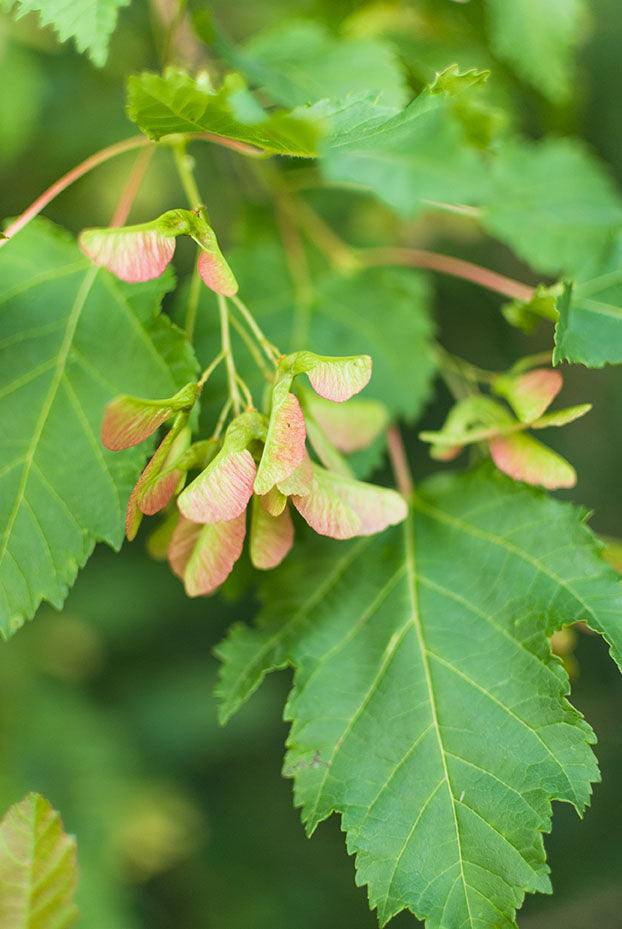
(427, 707)
(71, 338)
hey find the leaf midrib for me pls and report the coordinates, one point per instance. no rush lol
(72, 322)
(409, 544)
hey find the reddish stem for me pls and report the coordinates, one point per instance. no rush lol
(237, 146)
(399, 462)
(67, 179)
(132, 186)
(419, 258)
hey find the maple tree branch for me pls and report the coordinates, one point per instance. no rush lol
(67, 179)
(446, 264)
(399, 462)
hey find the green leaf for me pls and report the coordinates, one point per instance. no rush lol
(589, 329)
(90, 23)
(427, 707)
(300, 62)
(409, 159)
(38, 868)
(453, 81)
(538, 40)
(162, 106)
(73, 337)
(553, 203)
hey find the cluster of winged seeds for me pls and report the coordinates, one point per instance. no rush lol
(262, 460)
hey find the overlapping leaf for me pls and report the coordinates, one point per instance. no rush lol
(38, 868)
(589, 329)
(538, 40)
(553, 203)
(300, 62)
(410, 159)
(90, 23)
(427, 707)
(175, 102)
(71, 338)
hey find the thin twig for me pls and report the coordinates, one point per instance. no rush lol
(445, 264)
(210, 368)
(241, 331)
(67, 179)
(269, 349)
(399, 462)
(226, 348)
(132, 186)
(221, 420)
(193, 302)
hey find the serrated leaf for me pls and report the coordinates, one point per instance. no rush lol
(38, 868)
(299, 62)
(427, 707)
(175, 102)
(72, 337)
(90, 23)
(589, 328)
(409, 159)
(538, 40)
(552, 203)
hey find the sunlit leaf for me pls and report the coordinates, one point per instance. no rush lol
(427, 707)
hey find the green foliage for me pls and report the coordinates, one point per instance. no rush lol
(300, 62)
(427, 708)
(90, 23)
(589, 330)
(38, 868)
(538, 39)
(73, 337)
(410, 159)
(174, 103)
(552, 203)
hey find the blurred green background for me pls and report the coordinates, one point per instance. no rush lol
(107, 708)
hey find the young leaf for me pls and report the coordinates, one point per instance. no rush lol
(161, 106)
(38, 868)
(427, 707)
(90, 23)
(538, 40)
(74, 338)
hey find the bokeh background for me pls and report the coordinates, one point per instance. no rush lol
(107, 708)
